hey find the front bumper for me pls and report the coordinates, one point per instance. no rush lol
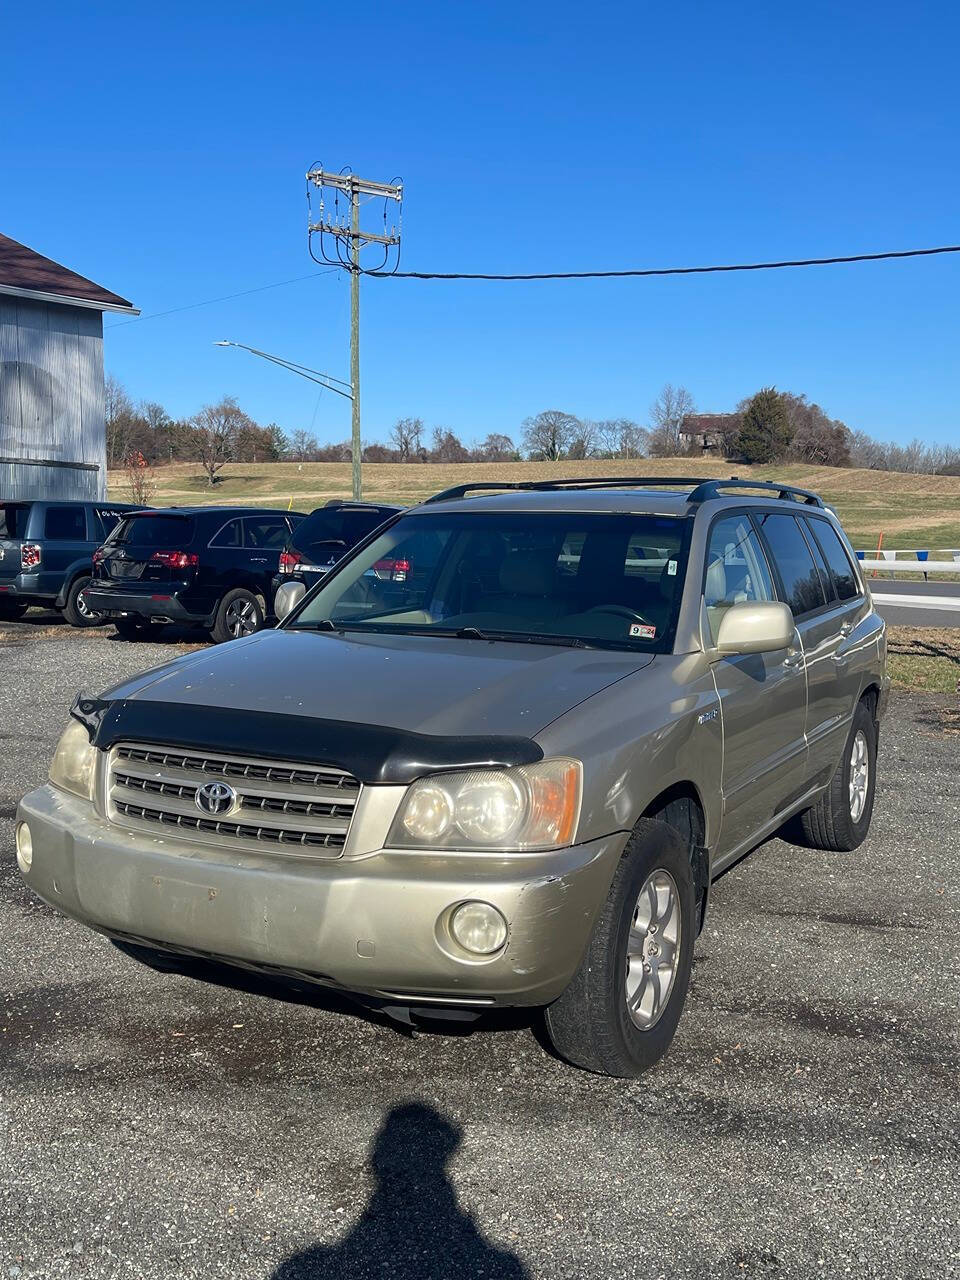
(161, 603)
(367, 925)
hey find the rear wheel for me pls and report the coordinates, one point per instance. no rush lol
(240, 614)
(840, 819)
(75, 609)
(619, 1014)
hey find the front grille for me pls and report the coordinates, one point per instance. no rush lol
(292, 809)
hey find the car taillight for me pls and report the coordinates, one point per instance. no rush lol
(176, 559)
(289, 561)
(98, 555)
(30, 553)
(400, 570)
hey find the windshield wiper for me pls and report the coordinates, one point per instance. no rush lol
(523, 637)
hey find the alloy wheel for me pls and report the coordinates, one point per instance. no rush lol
(653, 949)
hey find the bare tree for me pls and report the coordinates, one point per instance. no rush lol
(667, 414)
(815, 437)
(583, 442)
(549, 435)
(621, 438)
(448, 447)
(215, 430)
(303, 446)
(120, 421)
(406, 436)
(496, 448)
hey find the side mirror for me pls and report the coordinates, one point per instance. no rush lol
(289, 595)
(762, 626)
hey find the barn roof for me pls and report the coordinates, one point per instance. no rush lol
(28, 274)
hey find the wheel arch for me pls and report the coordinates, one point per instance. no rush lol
(681, 806)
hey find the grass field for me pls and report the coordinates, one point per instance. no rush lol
(910, 510)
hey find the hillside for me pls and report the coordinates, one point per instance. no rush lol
(910, 510)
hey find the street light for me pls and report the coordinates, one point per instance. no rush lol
(326, 380)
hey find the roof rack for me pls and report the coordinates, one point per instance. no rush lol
(582, 482)
(711, 489)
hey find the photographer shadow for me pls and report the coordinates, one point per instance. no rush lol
(413, 1227)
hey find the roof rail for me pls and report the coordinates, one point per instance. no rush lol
(573, 482)
(711, 489)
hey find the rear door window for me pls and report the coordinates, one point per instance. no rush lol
(13, 519)
(231, 535)
(65, 524)
(108, 518)
(799, 575)
(843, 573)
(270, 532)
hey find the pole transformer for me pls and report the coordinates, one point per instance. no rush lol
(341, 241)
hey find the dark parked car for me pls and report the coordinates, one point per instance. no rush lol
(208, 567)
(46, 554)
(325, 537)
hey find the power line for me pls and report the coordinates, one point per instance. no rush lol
(665, 271)
(227, 297)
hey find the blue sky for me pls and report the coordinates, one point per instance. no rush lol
(162, 150)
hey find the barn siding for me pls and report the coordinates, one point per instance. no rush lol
(51, 400)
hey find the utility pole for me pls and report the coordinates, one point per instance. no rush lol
(341, 241)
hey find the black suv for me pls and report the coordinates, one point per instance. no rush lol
(46, 554)
(207, 567)
(325, 537)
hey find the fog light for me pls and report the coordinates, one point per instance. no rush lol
(479, 928)
(24, 848)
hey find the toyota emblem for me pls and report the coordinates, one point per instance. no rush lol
(215, 798)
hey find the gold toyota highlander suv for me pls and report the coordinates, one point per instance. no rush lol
(506, 775)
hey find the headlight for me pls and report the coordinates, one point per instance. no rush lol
(532, 807)
(74, 761)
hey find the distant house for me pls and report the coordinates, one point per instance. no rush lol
(52, 434)
(708, 433)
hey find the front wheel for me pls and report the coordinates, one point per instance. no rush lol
(619, 1014)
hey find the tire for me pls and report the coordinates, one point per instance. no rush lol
(73, 609)
(590, 1024)
(10, 611)
(240, 614)
(135, 629)
(835, 823)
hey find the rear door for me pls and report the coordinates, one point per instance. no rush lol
(264, 537)
(66, 541)
(14, 517)
(763, 696)
(805, 584)
(143, 548)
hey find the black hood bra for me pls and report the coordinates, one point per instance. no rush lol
(373, 754)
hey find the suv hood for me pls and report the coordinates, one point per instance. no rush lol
(421, 684)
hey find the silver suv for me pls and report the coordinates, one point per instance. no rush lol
(506, 776)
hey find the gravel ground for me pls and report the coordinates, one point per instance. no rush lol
(805, 1122)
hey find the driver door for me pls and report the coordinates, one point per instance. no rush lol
(763, 696)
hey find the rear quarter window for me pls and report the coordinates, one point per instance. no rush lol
(843, 573)
(13, 519)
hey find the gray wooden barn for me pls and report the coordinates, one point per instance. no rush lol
(52, 434)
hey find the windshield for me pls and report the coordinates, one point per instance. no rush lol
(333, 530)
(595, 578)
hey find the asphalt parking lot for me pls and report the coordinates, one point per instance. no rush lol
(805, 1122)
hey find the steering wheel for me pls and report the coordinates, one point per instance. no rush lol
(620, 611)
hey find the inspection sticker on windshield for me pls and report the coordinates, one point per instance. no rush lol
(671, 568)
(642, 631)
